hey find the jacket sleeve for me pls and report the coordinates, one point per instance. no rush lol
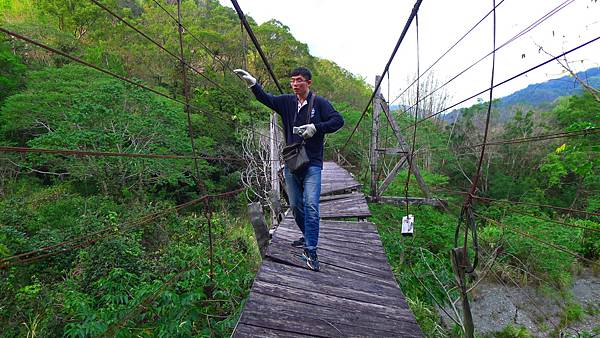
(269, 100)
(331, 120)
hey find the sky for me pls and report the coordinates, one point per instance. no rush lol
(360, 37)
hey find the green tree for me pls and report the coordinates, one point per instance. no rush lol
(12, 72)
(572, 170)
(80, 109)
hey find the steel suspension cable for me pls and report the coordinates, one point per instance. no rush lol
(122, 78)
(515, 37)
(111, 154)
(186, 94)
(412, 15)
(488, 199)
(189, 32)
(507, 80)
(448, 51)
(180, 59)
(84, 240)
(242, 17)
(466, 213)
(548, 244)
(414, 136)
(543, 137)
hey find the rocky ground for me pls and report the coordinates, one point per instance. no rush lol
(494, 306)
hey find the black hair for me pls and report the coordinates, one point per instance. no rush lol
(304, 72)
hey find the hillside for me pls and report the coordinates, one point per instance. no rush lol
(539, 96)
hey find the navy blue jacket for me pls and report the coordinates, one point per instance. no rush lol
(325, 118)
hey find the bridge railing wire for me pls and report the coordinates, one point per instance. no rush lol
(506, 81)
(161, 47)
(446, 52)
(198, 40)
(115, 154)
(93, 237)
(256, 44)
(122, 78)
(492, 200)
(407, 25)
(509, 41)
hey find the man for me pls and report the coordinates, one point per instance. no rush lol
(303, 187)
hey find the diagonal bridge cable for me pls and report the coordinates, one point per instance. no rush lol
(545, 243)
(410, 156)
(466, 213)
(154, 42)
(111, 154)
(412, 15)
(447, 51)
(506, 81)
(515, 37)
(189, 32)
(93, 237)
(505, 201)
(242, 17)
(122, 78)
(519, 140)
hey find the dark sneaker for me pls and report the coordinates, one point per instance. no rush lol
(298, 243)
(312, 261)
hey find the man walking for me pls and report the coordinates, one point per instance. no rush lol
(303, 186)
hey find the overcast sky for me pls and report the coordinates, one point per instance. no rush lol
(360, 36)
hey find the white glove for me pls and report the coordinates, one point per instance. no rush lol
(309, 130)
(250, 80)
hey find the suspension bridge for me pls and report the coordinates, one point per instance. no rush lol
(356, 293)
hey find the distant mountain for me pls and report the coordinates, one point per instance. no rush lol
(540, 95)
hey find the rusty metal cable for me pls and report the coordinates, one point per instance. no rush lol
(189, 32)
(412, 15)
(186, 94)
(112, 154)
(488, 199)
(414, 136)
(154, 42)
(548, 244)
(507, 80)
(536, 138)
(448, 51)
(467, 212)
(91, 238)
(122, 78)
(242, 17)
(515, 37)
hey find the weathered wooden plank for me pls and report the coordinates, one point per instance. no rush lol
(334, 281)
(297, 316)
(289, 223)
(345, 235)
(356, 195)
(327, 241)
(286, 253)
(414, 201)
(349, 226)
(245, 330)
(298, 294)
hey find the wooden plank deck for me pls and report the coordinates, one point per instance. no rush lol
(335, 179)
(354, 294)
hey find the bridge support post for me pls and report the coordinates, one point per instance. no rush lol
(375, 141)
(274, 195)
(260, 227)
(458, 266)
